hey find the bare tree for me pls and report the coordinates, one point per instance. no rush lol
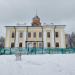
(2, 42)
(73, 39)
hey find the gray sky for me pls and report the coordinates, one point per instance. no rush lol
(50, 11)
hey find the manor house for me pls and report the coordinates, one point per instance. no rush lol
(36, 35)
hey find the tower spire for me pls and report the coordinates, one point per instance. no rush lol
(36, 11)
(36, 20)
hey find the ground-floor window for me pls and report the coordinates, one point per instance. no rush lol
(20, 44)
(40, 44)
(48, 44)
(57, 44)
(12, 45)
(34, 44)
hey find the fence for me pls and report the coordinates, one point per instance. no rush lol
(10, 51)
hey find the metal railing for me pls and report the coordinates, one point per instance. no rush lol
(10, 51)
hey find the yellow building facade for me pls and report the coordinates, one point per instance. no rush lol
(36, 35)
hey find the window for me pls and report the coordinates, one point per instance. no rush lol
(34, 35)
(29, 34)
(56, 34)
(20, 44)
(66, 46)
(29, 44)
(48, 44)
(48, 34)
(21, 34)
(13, 34)
(40, 45)
(40, 34)
(57, 44)
(12, 45)
(34, 45)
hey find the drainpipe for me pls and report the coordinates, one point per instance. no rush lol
(54, 36)
(15, 36)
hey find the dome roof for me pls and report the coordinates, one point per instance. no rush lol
(36, 21)
(36, 17)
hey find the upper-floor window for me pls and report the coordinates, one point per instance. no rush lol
(48, 34)
(21, 34)
(13, 34)
(48, 44)
(40, 34)
(57, 44)
(29, 34)
(34, 35)
(12, 45)
(56, 34)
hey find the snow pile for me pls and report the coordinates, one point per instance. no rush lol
(53, 64)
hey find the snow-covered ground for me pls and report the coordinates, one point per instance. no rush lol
(53, 64)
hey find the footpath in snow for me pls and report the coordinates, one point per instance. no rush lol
(53, 64)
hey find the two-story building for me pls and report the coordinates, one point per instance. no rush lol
(36, 35)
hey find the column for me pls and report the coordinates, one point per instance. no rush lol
(44, 38)
(62, 39)
(52, 39)
(24, 37)
(17, 39)
(7, 44)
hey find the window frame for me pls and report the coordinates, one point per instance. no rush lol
(20, 45)
(48, 34)
(21, 34)
(40, 44)
(48, 44)
(34, 34)
(40, 34)
(29, 34)
(13, 34)
(12, 45)
(57, 45)
(34, 46)
(56, 34)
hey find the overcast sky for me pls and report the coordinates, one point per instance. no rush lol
(50, 11)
